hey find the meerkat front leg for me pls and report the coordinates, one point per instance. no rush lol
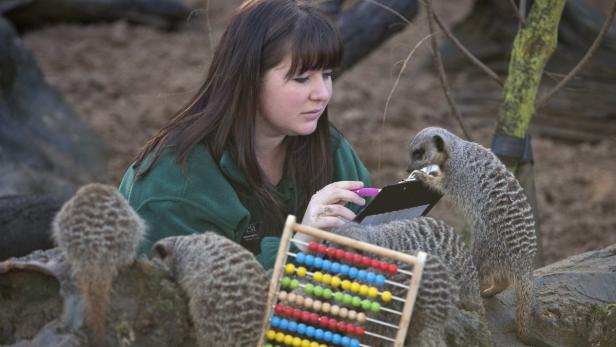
(493, 286)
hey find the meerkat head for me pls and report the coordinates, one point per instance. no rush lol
(429, 151)
(162, 252)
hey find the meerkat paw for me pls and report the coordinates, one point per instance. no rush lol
(494, 288)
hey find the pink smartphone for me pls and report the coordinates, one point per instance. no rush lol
(367, 192)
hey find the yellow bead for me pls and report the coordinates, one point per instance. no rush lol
(271, 334)
(289, 268)
(314, 344)
(346, 284)
(386, 296)
(301, 271)
(361, 317)
(335, 282)
(326, 307)
(279, 337)
(305, 343)
(373, 292)
(363, 290)
(318, 276)
(297, 342)
(355, 287)
(327, 279)
(288, 339)
(322, 345)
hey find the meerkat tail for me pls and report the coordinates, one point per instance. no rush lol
(96, 287)
(524, 306)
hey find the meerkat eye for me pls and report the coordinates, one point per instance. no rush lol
(418, 153)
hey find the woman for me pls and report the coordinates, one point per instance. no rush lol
(255, 144)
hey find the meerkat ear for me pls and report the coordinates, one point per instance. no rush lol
(161, 250)
(439, 143)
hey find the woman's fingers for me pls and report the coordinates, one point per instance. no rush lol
(335, 211)
(340, 193)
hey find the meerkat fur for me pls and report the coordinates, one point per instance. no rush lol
(504, 242)
(226, 287)
(99, 233)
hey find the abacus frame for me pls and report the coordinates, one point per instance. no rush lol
(292, 227)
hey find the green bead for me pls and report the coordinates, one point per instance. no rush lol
(294, 284)
(365, 304)
(375, 307)
(348, 299)
(327, 293)
(356, 301)
(318, 291)
(286, 281)
(268, 345)
(339, 296)
(309, 288)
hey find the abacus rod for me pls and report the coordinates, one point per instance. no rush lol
(380, 336)
(376, 321)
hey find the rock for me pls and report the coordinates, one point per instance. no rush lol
(44, 147)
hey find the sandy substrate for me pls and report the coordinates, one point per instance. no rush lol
(126, 81)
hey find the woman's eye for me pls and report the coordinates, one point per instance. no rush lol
(328, 74)
(301, 79)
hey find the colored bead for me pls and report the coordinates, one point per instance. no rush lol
(336, 339)
(350, 329)
(297, 342)
(310, 331)
(326, 307)
(366, 261)
(344, 269)
(327, 336)
(373, 292)
(316, 344)
(392, 268)
(278, 308)
(339, 296)
(294, 284)
(317, 305)
(279, 337)
(282, 295)
(283, 324)
(308, 288)
(297, 313)
(354, 343)
(346, 284)
(301, 271)
(305, 316)
(289, 268)
(327, 265)
(308, 302)
(299, 300)
(363, 289)
(327, 279)
(313, 246)
(375, 264)
(365, 304)
(356, 258)
(370, 277)
(341, 326)
(353, 272)
(333, 324)
(300, 257)
(314, 318)
(361, 275)
(327, 293)
(356, 301)
(348, 256)
(292, 326)
(336, 310)
(318, 262)
(291, 297)
(275, 321)
(331, 251)
(336, 268)
(344, 312)
(271, 334)
(288, 310)
(305, 343)
(321, 249)
(352, 315)
(347, 299)
(317, 276)
(375, 307)
(324, 321)
(380, 280)
(355, 287)
(268, 345)
(335, 282)
(361, 317)
(359, 331)
(288, 339)
(346, 341)
(285, 282)
(309, 260)
(318, 291)
(386, 296)
(384, 266)
(318, 334)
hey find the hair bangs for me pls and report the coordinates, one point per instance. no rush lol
(315, 45)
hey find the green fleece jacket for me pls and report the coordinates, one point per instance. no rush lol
(202, 198)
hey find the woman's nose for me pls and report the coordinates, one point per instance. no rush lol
(321, 88)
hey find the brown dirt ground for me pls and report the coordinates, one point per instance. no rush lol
(125, 81)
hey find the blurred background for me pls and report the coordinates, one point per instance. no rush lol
(124, 77)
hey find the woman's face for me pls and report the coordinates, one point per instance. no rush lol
(292, 107)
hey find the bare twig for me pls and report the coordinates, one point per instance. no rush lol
(466, 52)
(441, 71)
(518, 12)
(387, 8)
(583, 61)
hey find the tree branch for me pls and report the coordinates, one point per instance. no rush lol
(606, 26)
(518, 12)
(441, 71)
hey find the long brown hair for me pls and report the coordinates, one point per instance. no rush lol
(222, 114)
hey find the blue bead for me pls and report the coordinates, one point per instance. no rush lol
(336, 339)
(301, 328)
(300, 257)
(380, 280)
(327, 265)
(344, 269)
(309, 260)
(284, 324)
(370, 277)
(318, 334)
(353, 272)
(327, 336)
(361, 275)
(346, 341)
(292, 326)
(335, 268)
(310, 331)
(318, 262)
(274, 321)
(354, 343)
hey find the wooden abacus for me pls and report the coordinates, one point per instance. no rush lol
(334, 314)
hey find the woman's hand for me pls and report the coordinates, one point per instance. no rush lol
(326, 208)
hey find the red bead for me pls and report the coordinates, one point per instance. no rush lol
(321, 248)
(341, 326)
(314, 318)
(375, 264)
(313, 246)
(350, 328)
(357, 259)
(366, 261)
(288, 310)
(340, 254)
(333, 324)
(278, 308)
(297, 313)
(392, 269)
(331, 251)
(324, 321)
(359, 331)
(305, 316)
(383, 266)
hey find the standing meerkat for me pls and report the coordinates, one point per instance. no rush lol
(433, 237)
(493, 202)
(226, 287)
(99, 233)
